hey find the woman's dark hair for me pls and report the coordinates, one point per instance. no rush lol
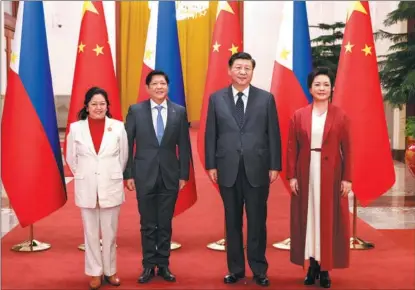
(325, 71)
(83, 113)
(320, 71)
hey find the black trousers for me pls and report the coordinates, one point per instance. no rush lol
(156, 209)
(255, 201)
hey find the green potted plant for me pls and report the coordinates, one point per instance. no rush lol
(410, 128)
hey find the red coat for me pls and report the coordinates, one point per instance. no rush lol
(335, 167)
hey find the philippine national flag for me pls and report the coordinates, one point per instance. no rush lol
(31, 159)
(292, 64)
(162, 52)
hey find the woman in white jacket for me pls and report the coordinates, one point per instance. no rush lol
(97, 152)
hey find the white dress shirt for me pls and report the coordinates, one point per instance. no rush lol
(155, 112)
(244, 97)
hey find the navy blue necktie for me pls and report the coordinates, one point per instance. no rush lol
(240, 109)
(160, 124)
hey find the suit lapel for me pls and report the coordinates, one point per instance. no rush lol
(230, 101)
(86, 135)
(251, 103)
(308, 120)
(171, 115)
(107, 132)
(329, 122)
(149, 120)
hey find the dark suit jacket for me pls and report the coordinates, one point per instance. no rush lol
(149, 155)
(258, 139)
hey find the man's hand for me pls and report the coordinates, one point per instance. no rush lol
(130, 184)
(213, 174)
(273, 175)
(182, 183)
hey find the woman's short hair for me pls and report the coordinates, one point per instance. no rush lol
(320, 71)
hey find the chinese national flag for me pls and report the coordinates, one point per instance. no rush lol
(94, 65)
(358, 92)
(226, 40)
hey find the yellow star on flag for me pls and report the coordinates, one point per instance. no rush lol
(81, 47)
(98, 50)
(13, 57)
(355, 6)
(224, 5)
(147, 54)
(348, 47)
(88, 6)
(284, 54)
(367, 50)
(216, 46)
(233, 49)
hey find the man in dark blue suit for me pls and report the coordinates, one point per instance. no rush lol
(155, 128)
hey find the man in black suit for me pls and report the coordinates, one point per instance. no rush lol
(243, 155)
(154, 128)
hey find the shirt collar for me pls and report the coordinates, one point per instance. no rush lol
(154, 104)
(245, 92)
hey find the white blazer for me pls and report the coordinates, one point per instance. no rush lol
(100, 173)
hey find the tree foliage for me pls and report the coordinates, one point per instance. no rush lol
(326, 47)
(397, 67)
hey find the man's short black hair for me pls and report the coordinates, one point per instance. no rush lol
(153, 73)
(241, 55)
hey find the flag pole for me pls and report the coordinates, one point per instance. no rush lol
(219, 245)
(355, 242)
(31, 245)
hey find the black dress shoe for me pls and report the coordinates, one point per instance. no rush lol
(325, 280)
(166, 274)
(232, 278)
(147, 275)
(261, 280)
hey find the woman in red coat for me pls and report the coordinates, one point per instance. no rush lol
(319, 171)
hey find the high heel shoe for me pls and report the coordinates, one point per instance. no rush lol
(313, 273)
(112, 280)
(325, 280)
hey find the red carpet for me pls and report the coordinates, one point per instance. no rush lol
(389, 266)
